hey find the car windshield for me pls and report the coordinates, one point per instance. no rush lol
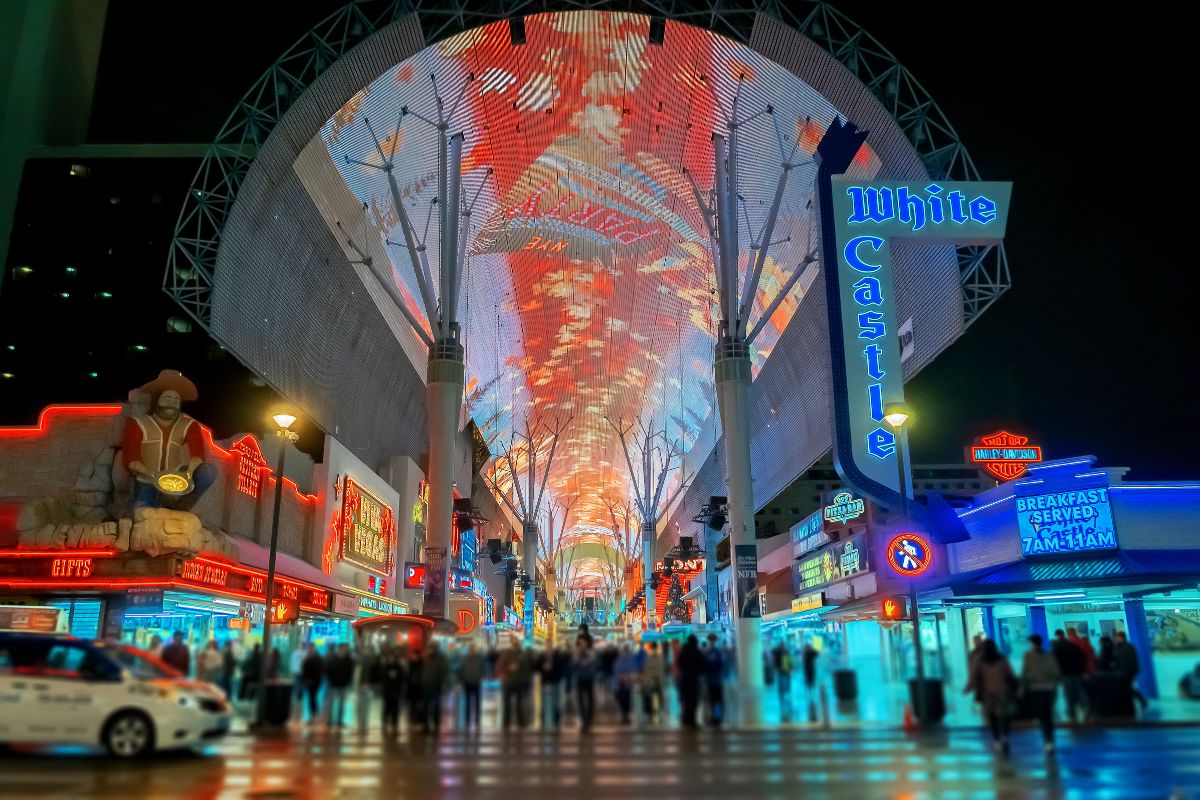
(141, 664)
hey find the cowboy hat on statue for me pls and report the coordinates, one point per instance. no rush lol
(164, 450)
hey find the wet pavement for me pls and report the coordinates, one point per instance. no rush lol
(615, 763)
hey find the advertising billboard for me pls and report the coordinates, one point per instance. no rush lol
(859, 219)
(368, 530)
(1066, 522)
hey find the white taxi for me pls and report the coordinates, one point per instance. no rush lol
(56, 689)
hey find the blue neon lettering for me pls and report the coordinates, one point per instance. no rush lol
(937, 211)
(871, 325)
(867, 292)
(983, 210)
(873, 352)
(881, 443)
(850, 252)
(910, 208)
(957, 213)
(875, 392)
(871, 204)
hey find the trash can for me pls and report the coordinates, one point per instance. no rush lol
(278, 702)
(1109, 695)
(845, 684)
(932, 706)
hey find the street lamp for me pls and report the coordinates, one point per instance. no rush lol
(897, 415)
(285, 434)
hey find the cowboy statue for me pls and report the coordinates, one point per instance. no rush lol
(164, 450)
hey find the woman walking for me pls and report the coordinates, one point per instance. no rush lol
(994, 684)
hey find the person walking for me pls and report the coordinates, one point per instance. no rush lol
(808, 658)
(654, 672)
(1071, 665)
(251, 672)
(994, 685)
(714, 677)
(1125, 657)
(781, 663)
(584, 675)
(339, 672)
(470, 675)
(228, 669)
(369, 685)
(549, 668)
(690, 666)
(513, 678)
(435, 671)
(416, 699)
(176, 654)
(210, 663)
(625, 677)
(312, 672)
(391, 686)
(1040, 673)
(1078, 637)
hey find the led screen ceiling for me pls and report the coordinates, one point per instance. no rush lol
(589, 288)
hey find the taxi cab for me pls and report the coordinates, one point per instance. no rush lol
(57, 689)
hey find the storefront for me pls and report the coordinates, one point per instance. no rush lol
(134, 597)
(842, 579)
(1074, 545)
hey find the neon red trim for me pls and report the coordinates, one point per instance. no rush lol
(50, 413)
(123, 583)
(232, 457)
(47, 553)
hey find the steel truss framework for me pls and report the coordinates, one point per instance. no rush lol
(193, 253)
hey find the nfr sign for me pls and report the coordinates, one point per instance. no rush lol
(858, 220)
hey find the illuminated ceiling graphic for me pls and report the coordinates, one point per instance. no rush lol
(589, 283)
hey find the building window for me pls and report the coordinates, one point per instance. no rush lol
(251, 465)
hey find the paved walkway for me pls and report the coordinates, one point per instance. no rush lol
(614, 763)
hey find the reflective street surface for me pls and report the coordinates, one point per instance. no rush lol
(623, 763)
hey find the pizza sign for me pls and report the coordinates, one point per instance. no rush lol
(1005, 455)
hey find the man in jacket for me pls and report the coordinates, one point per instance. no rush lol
(470, 674)
(176, 654)
(1071, 664)
(1128, 665)
(339, 672)
(312, 671)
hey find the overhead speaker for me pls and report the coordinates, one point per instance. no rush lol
(516, 31)
(463, 514)
(658, 30)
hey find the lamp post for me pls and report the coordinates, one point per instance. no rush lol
(897, 415)
(285, 435)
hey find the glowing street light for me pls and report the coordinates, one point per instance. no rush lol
(283, 422)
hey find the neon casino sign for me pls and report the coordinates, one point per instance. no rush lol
(858, 219)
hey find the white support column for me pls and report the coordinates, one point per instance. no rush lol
(648, 536)
(443, 399)
(529, 536)
(733, 390)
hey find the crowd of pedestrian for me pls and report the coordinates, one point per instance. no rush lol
(1094, 683)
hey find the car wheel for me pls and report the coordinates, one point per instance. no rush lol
(129, 734)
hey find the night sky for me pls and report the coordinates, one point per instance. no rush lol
(1071, 106)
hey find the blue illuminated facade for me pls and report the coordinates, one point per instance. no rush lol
(1071, 544)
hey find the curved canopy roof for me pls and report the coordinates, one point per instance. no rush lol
(589, 283)
(589, 287)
